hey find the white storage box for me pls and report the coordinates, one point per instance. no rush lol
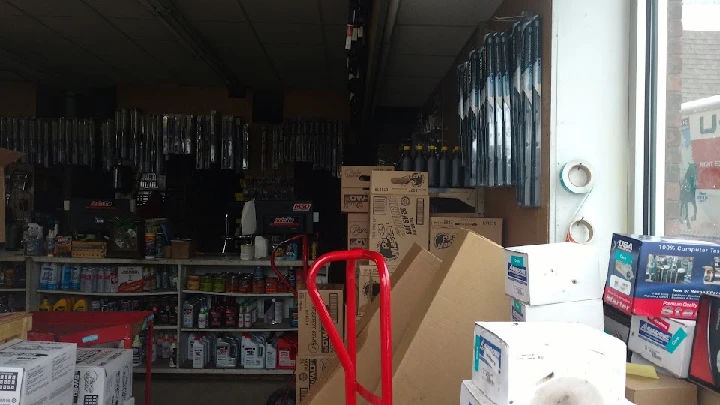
(588, 312)
(532, 363)
(37, 372)
(471, 395)
(554, 273)
(103, 376)
(664, 342)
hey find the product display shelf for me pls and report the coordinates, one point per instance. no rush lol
(237, 371)
(2, 290)
(280, 327)
(243, 295)
(114, 294)
(6, 256)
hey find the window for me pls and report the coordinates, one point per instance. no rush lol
(682, 176)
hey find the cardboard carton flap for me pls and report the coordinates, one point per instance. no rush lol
(398, 182)
(8, 156)
(413, 275)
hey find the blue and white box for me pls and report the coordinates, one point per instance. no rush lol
(554, 273)
(665, 342)
(547, 362)
(588, 312)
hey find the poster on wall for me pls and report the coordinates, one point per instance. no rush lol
(700, 169)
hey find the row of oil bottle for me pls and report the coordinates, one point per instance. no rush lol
(444, 168)
(216, 312)
(247, 350)
(164, 308)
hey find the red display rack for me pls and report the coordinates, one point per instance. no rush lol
(94, 328)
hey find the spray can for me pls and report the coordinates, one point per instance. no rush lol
(66, 277)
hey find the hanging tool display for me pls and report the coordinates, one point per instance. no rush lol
(315, 141)
(499, 111)
(49, 141)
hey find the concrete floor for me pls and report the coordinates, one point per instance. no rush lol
(171, 390)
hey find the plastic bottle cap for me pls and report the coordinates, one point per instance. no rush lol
(443, 148)
(406, 147)
(432, 147)
(419, 147)
(457, 148)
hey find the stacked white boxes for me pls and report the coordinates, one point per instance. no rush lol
(103, 376)
(37, 372)
(531, 363)
(560, 282)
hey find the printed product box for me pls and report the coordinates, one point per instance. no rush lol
(588, 312)
(541, 362)
(553, 273)
(355, 187)
(705, 355)
(653, 276)
(37, 372)
(443, 230)
(313, 339)
(451, 201)
(471, 395)
(399, 213)
(102, 376)
(309, 370)
(662, 391)
(130, 279)
(664, 342)
(358, 230)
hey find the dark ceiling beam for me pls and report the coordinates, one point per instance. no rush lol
(262, 45)
(170, 16)
(386, 19)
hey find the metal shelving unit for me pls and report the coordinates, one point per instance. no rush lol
(203, 264)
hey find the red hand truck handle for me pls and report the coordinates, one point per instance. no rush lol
(348, 355)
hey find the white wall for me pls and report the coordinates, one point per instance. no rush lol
(590, 82)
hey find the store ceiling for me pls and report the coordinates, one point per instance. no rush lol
(266, 44)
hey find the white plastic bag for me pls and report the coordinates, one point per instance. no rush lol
(248, 220)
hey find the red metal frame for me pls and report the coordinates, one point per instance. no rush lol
(348, 356)
(94, 328)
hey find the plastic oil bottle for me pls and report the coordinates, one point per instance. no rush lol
(457, 173)
(420, 164)
(44, 306)
(433, 167)
(406, 160)
(444, 168)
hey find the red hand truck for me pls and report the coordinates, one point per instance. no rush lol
(347, 355)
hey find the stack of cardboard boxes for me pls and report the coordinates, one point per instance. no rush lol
(315, 351)
(653, 294)
(63, 374)
(559, 282)
(355, 202)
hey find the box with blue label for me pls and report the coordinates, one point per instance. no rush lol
(471, 395)
(655, 276)
(588, 312)
(553, 273)
(547, 362)
(664, 342)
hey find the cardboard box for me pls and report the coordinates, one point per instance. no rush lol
(6, 157)
(399, 213)
(663, 391)
(130, 279)
(37, 372)
(449, 201)
(471, 395)
(309, 370)
(588, 312)
(518, 363)
(355, 187)
(103, 376)
(553, 273)
(706, 397)
(313, 339)
(358, 230)
(443, 230)
(653, 276)
(705, 354)
(663, 341)
(183, 249)
(432, 332)
(88, 250)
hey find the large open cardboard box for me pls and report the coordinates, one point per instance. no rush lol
(434, 307)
